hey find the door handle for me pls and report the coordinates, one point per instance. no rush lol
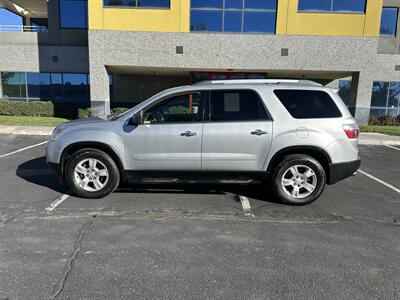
(188, 133)
(259, 132)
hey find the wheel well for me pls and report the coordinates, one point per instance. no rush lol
(73, 148)
(317, 153)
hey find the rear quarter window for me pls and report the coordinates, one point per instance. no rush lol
(308, 104)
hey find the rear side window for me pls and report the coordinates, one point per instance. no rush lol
(236, 105)
(307, 104)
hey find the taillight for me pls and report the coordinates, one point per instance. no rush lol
(351, 131)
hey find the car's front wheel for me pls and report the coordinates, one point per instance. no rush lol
(299, 180)
(91, 173)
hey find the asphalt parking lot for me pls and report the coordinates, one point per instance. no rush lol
(196, 243)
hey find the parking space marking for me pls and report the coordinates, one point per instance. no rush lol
(57, 202)
(23, 149)
(392, 147)
(246, 206)
(380, 181)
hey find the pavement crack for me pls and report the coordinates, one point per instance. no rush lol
(59, 286)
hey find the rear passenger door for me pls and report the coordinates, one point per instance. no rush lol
(237, 131)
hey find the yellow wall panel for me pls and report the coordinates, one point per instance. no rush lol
(175, 19)
(289, 20)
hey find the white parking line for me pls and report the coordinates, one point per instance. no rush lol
(57, 202)
(393, 147)
(22, 149)
(380, 181)
(246, 206)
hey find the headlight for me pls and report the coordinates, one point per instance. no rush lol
(57, 133)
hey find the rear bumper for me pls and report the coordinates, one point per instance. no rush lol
(341, 171)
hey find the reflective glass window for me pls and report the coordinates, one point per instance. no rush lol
(73, 14)
(344, 90)
(394, 95)
(348, 5)
(75, 89)
(380, 92)
(255, 16)
(389, 21)
(38, 86)
(340, 6)
(13, 85)
(206, 20)
(259, 22)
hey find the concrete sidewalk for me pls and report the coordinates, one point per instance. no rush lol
(26, 130)
(374, 138)
(365, 138)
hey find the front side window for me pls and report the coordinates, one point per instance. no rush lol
(252, 16)
(139, 3)
(336, 6)
(178, 109)
(308, 104)
(236, 105)
(389, 21)
(73, 14)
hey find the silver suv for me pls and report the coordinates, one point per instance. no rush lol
(293, 136)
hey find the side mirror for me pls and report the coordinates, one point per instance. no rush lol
(137, 118)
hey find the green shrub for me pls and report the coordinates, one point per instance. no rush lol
(385, 120)
(42, 109)
(119, 110)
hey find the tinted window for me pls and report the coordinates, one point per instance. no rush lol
(182, 108)
(389, 21)
(344, 90)
(13, 85)
(73, 14)
(350, 6)
(39, 85)
(380, 92)
(257, 16)
(236, 106)
(307, 104)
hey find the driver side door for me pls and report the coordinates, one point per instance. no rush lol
(170, 136)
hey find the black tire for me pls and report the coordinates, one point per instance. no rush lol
(113, 173)
(293, 160)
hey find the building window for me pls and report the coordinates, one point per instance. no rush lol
(57, 87)
(385, 99)
(139, 3)
(344, 91)
(389, 21)
(333, 6)
(73, 14)
(251, 16)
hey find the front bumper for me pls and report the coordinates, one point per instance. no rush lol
(341, 171)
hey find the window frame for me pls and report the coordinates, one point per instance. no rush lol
(170, 96)
(242, 10)
(207, 102)
(136, 6)
(331, 11)
(307, 90)
(74, 28)
(396, 24)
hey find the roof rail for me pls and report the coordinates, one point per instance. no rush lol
(259, 81)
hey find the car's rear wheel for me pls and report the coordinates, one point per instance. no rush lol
(298, 180)
(91, 173)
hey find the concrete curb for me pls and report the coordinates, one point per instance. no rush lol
(26, 130)
(373, 138)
